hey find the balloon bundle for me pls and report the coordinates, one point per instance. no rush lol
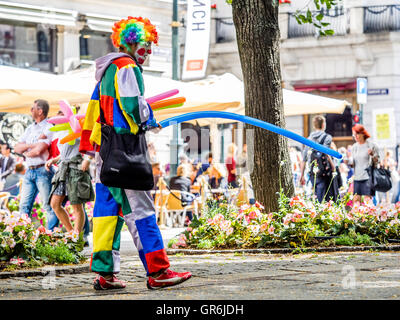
(160, 101)
(70, 121)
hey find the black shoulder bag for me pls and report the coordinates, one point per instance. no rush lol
(125, 161)
(379, 178)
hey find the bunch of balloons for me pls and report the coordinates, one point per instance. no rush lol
(73, 122)
(160, 101)
(70, 121)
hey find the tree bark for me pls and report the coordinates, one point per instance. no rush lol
(258, 38)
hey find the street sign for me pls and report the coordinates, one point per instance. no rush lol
(361, 90)
(377, 92)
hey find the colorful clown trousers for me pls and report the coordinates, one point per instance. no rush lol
(113, 207)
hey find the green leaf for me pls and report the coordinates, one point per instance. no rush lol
(303, 18)
(329, 32)
(319, 17)
(309, 16)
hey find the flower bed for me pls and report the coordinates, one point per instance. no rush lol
(298, 223)
(24, 244)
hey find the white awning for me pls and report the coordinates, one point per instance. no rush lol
(37, 14)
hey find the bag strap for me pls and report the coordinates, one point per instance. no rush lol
(173, 194)
(323, 139)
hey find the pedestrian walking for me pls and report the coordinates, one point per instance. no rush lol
(34, 144)
(390, 164)
(364, 153)
(120, 90)
(72, 180)
(321, 165)
(230, 163)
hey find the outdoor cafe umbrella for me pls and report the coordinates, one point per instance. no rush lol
(19, 88)
(226, 93)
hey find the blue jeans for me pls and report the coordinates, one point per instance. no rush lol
(321, 187)
(38, 181)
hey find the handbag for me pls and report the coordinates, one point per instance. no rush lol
(125, 161)
(379, 179)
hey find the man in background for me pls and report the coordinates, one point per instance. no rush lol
(34, 145)
(7, 163)
(11, 184)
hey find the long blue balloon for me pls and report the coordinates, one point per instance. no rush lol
(252, 121)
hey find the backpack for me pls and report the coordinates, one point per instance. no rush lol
(320, 160)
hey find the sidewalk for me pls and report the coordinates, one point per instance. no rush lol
(326, 276)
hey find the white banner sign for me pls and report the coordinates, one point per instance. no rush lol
(384, 127)
(197, 39)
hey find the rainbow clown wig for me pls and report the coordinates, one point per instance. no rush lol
(133, 30)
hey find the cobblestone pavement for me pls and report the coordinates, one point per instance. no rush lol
(334, 276)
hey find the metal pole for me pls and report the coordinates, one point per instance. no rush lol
(176, 142)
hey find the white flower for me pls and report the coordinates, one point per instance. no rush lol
(11, 242)
(22, 234)
(255, 229)
(73, 235)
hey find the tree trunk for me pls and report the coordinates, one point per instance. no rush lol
(258, 38)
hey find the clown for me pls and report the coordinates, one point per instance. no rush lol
(119, 95)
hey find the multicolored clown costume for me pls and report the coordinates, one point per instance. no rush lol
(119, 95)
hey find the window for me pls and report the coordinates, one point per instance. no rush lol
(26, 46)
(95, 44)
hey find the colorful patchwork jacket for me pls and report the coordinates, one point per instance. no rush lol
(119, 92)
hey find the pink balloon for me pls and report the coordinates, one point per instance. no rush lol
(75, 126)
(58, 119)
(162, 96)
(66, 108)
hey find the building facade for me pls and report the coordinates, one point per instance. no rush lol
(61, 36)
(366, 44)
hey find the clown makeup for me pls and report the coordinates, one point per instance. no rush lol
(143, 50)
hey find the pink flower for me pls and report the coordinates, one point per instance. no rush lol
(252, 215)
(297, 201)
(42, 229)
(264, 227)
(189, 229)
(229, 231)
(271, 230)
(17, 261)
(287, 219)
